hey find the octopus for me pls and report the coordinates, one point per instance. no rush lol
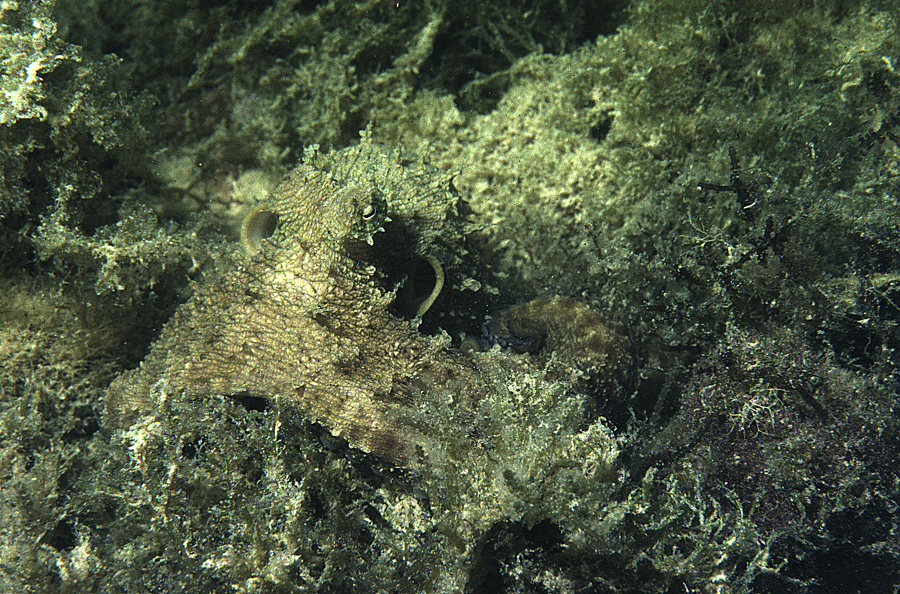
(306, 320)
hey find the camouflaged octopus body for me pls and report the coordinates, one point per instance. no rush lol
(302, 320)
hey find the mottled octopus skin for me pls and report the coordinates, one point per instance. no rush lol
(303, 322)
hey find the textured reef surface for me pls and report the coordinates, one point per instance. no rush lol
(508, 296)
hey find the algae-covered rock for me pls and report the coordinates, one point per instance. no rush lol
(701, 191)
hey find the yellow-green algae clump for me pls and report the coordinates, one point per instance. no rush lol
(694, 170)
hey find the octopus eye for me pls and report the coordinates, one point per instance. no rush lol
(368, 213)
(259, 225)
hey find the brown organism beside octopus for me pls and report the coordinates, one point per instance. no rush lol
(303, 322)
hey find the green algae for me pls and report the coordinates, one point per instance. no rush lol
(757, 444)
